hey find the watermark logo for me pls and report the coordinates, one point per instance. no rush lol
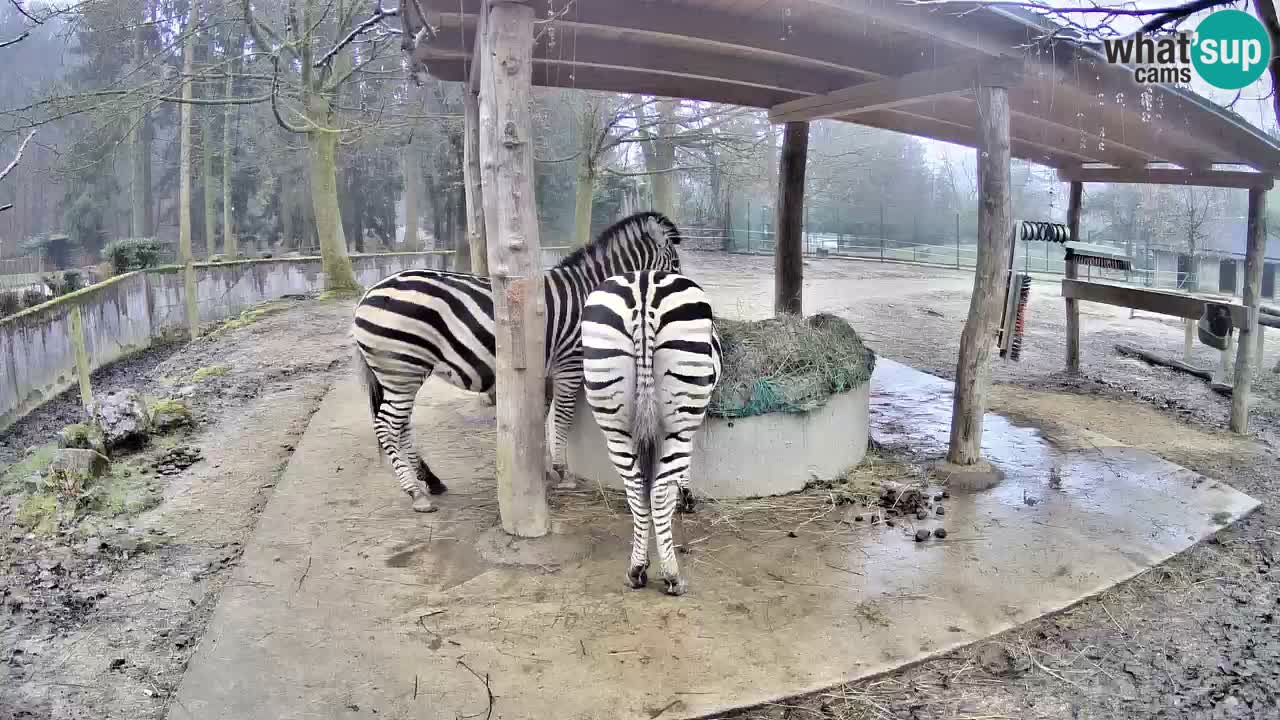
(1229, 50)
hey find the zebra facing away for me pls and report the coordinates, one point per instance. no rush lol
(417, 322)
(651, 357)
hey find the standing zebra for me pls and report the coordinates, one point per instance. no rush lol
(421, 321)
(651, 357)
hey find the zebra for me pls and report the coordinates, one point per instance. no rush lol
(651, 358)
(417, 322)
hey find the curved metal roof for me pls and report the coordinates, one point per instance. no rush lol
(1069, 108)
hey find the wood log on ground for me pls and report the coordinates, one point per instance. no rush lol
(1170, 363)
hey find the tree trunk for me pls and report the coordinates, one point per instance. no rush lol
(972, 371)
(140, 160)
(789, 250)
(323, 146)
(412, 195)
(184, 176)
(328, 219)
(583, 201)
(230, 242)
(207, 183)
(287, 206)
(515, 257)
(1253, 264)
(476, 245)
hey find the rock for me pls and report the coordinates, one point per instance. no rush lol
(169, 415)
(921, 514)
(86, 465)
(122, 417)
(940, 533)
(941, 510)
(922, 534)
(84, 436)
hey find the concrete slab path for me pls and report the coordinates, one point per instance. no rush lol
(347, 605)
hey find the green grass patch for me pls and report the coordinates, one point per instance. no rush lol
(14, 477)
(250, 316)
(38, 514)
(205, 373)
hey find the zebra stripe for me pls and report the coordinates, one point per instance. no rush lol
(420, 322)
(651, 357)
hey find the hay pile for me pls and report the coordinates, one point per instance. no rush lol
(787, 364)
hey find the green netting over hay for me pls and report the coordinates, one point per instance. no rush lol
(787, 364)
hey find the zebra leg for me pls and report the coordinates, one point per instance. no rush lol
(670, 485)
(567, 384)
(390, 424)
(434, 484)
(638, 501)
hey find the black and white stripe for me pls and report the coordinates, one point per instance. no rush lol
(651, 357)
(420, 322)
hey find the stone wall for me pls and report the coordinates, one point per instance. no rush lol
(128, 312)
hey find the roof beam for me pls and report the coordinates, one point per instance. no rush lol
(932, 128)
(1169, 176)
(903, 90)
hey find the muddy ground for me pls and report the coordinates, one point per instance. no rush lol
(100, 622)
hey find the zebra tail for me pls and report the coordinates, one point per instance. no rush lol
(370, 381)
(644, 418)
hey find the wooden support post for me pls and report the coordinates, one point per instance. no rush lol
(1224, 368)
(1262, 344)
(1073, 308)
(515, 264)
(788, 253)
(1188, 342)
(78, 341)
(972, 371)
(471, 182)
(1257, 240)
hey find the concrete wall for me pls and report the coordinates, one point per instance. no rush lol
(772, 454)
(126, 313)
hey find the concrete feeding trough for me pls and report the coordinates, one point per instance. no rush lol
(756, 452)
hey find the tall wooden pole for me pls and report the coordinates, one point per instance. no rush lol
(1073, 309)
(972, 371)
(788, 267)
(506, 166)
(471, 179)
(1257, 241)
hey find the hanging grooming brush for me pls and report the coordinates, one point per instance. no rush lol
(1099, 256)
(1015, 316)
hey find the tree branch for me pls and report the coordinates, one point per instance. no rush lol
(275, 92)
(15, 41)
(379, 13)
(17, 158)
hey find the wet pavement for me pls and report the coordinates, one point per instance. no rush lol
(349, 605)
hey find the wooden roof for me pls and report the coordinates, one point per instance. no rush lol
(1069, 107)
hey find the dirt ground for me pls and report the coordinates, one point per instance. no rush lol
(1195, 638)
(99, 623)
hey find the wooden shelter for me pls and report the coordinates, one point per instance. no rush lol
(1003, 81)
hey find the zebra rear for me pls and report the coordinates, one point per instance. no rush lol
(651, 358)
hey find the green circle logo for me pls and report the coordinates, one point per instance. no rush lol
(1231, 49)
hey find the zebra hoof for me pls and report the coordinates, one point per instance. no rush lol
(423, 504)
(688, 502)
(675, 586)
(433, 483)
(637, 577)
(562, 479)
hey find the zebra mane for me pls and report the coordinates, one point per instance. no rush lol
(628, 229)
